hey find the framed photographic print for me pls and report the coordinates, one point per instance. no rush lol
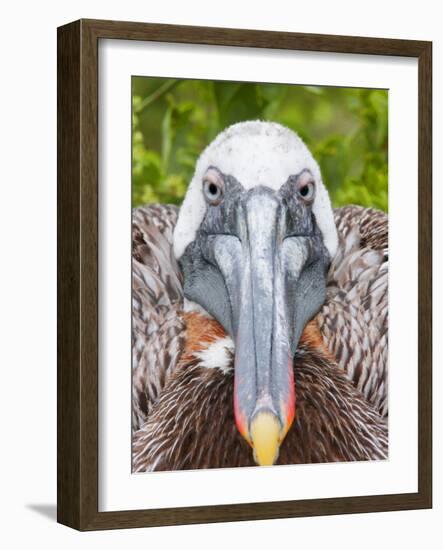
(244, 274)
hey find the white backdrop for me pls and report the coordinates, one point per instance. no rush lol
(28, 276)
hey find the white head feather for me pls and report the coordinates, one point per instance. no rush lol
(255, 153)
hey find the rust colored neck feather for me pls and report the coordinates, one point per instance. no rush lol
(311, 337)
(202, 331)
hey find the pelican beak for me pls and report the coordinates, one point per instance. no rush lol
(265, 438)
(264, 394)
(275, 286)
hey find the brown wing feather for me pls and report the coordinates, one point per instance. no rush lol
(354, 318)
(157, 295)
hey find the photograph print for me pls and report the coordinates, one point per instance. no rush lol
(259, 274)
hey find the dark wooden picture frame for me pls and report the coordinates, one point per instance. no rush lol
(77, 173)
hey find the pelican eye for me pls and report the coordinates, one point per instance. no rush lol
(213, 187)
(306, 187)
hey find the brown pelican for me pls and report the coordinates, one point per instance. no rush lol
(259, 315)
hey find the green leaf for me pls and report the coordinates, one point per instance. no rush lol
(173, 120)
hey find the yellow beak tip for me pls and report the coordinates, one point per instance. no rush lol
(265, 435)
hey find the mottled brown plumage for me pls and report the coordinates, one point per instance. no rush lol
(157, 297)
(182, 412)
(354, 318)
(334, 421)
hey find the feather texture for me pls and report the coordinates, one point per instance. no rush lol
(157, 297)
(334, 421)
(354, 318)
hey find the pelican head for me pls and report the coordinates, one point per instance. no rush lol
(254, 239)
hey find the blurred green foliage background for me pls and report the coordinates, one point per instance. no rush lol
(173, 120)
